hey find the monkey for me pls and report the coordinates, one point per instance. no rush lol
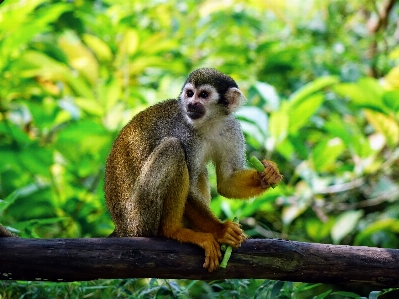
(5, 232)
(156, 180)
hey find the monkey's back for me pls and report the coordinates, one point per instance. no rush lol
(135, 143)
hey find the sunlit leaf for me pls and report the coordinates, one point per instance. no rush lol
(279, 124)
(79, 56)
(293, 211)
(99, 47)
(89, 105)
(317, 230)
(384, 124)
(129, 43)
(34, 63)
(254, 115)
(311, 88)
(388, 224)
(366, 93)
(391, 100)
(325, 153)
(345, 224)
(392, 78)
(303, 110)
(18, 24)
(109, 93)
(269, 94)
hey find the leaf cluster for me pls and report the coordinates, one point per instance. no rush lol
(323, 103)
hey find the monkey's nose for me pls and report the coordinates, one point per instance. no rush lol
(195, 110)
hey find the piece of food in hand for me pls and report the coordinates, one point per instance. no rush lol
(268, 171)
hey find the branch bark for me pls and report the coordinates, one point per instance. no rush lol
(88, 259)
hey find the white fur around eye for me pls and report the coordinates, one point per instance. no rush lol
(213, 95)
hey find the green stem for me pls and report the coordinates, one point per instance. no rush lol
(257, 164)
(228, 250)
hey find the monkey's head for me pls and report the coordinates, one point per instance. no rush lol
(209, 94)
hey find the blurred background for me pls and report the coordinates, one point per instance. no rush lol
(322, 82)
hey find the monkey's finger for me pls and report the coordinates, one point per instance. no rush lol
(271, 172)
(233, 232)
(213, 263)
(276, 178)
(234, 242)
(235, 227)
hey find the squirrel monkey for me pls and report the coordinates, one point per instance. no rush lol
(156, 181)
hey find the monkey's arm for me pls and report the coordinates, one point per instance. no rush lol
(246, 183)
(234, 180)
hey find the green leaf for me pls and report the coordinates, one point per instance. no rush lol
(317, 230)
(8, 201)
(18, 24)
(303, 110)
(385, 125)
(350, 134)
(326, 152)
(129, 43)
(73, 143)
(254, 115)
(278, 125)
(366, 93)
(109, 93)
(345, 224)
(276, 289)
(388, 224)
(269, 94)
(293, 211)
(309, 89)
(347, 294)
(391, 100)
(254, 122)
(323, 295)
(99, 47)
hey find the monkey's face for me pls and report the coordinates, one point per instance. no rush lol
(199, 102)
(205, 103)
(209, 95)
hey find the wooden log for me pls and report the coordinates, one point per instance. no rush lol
(88, 259)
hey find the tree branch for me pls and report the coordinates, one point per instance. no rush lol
(88, 259)
(374, 26)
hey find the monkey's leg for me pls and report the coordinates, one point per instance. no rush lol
(202, 219)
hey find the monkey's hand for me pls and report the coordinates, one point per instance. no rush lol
(231, 234)
(270, 176)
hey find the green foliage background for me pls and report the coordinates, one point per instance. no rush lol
(322, 82)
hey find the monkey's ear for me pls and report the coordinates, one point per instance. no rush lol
(235, 98)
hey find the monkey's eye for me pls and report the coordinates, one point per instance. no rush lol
(189, 93)
(203, 94)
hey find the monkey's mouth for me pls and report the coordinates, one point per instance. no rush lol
(195, 110)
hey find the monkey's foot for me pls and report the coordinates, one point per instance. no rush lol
(212, 252)
(271, 175)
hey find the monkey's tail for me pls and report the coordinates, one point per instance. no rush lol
(5, 232)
